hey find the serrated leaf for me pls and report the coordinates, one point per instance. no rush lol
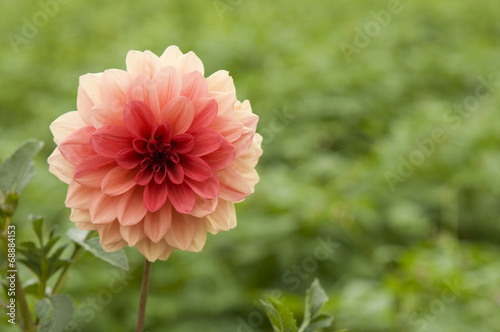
(281, 317)
(315, 298)
(18, 169)
(319, 322)
(54, 312)
(38, 226)
(116, 258)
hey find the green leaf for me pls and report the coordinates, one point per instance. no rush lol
(319, 322)
(18, 169)
(281, 317)
(315, 298)
(37, 226)
(116, 258)
(54, 312)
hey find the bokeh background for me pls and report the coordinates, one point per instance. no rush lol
(381, 166)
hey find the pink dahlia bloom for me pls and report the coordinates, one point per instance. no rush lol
(156, 155)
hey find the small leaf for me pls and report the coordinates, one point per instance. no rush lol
(54, 312)
(116, 258)
(315, 298)
(319, 322)
(18, 169)
(37, 226)
(281, 317)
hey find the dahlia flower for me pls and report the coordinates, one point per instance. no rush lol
(157, 155)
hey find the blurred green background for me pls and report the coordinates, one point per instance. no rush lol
(380, 136)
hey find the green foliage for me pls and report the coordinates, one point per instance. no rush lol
(54, 312)
(117, 258)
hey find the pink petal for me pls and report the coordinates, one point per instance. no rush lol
(221, 81)
(243, 143)
(155, 195)
(182, 231)
(142, 63)
(207, 190)
(183, 143)
(162, 132)
(181, 196)
(88, 95)
(128, 158)
(194, 85)
(225, 101)
(132, 234)
(92, 170)
(203, 207)
(179, 112)
(80, 197)
(144, 90)
(131, 209)
(76, 146)
(199, 238)
(222, 157)
(103, 209)
(153, 251)
(139, 119)
(108, 141)
(160, 174)
(114, 86)
(110, 237)
(233, 186)
(157, 224)
(60, 167)
(65, 125)
(168, 84)
(224, 216)
(107, 114)
(189, 62)
(228, 126)
(206, 140)
(205, 111)
(175, 173)
(118, 181)
(144, 176)
(196, 168)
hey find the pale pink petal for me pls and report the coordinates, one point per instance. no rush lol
(132, 234)
(131, 209)
(247, 171)
(200, 236)
(179, 112)
(60, 167)
(207, 190)
(225, 101)
(224, 216)
(168, 57)
(144, 89)
(76, 146)
(118, 181)
(65, 125)
(194, 85)
(168, 84)
(92, 170)
(182, 231)
(80, 216)
(203, 207)
(228, 126)
(107, 141)
(110, 237)
(155, 195)
(157, 224)
(88, 95)
(233, 186)
(189, 62)
(80, 197)
(243, 143)
(205, 111)
(221, 81)
(181, 196)
(114, 86)
(142, 63)
(153, 251)
(107, 114)
(252, 155)
(103, 208)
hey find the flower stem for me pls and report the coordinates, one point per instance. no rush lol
(76, 252)
(144, 296)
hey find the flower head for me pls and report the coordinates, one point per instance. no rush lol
(156, 155)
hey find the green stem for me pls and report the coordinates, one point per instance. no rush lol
(144, 296)
(76, 252)
(21, 297)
